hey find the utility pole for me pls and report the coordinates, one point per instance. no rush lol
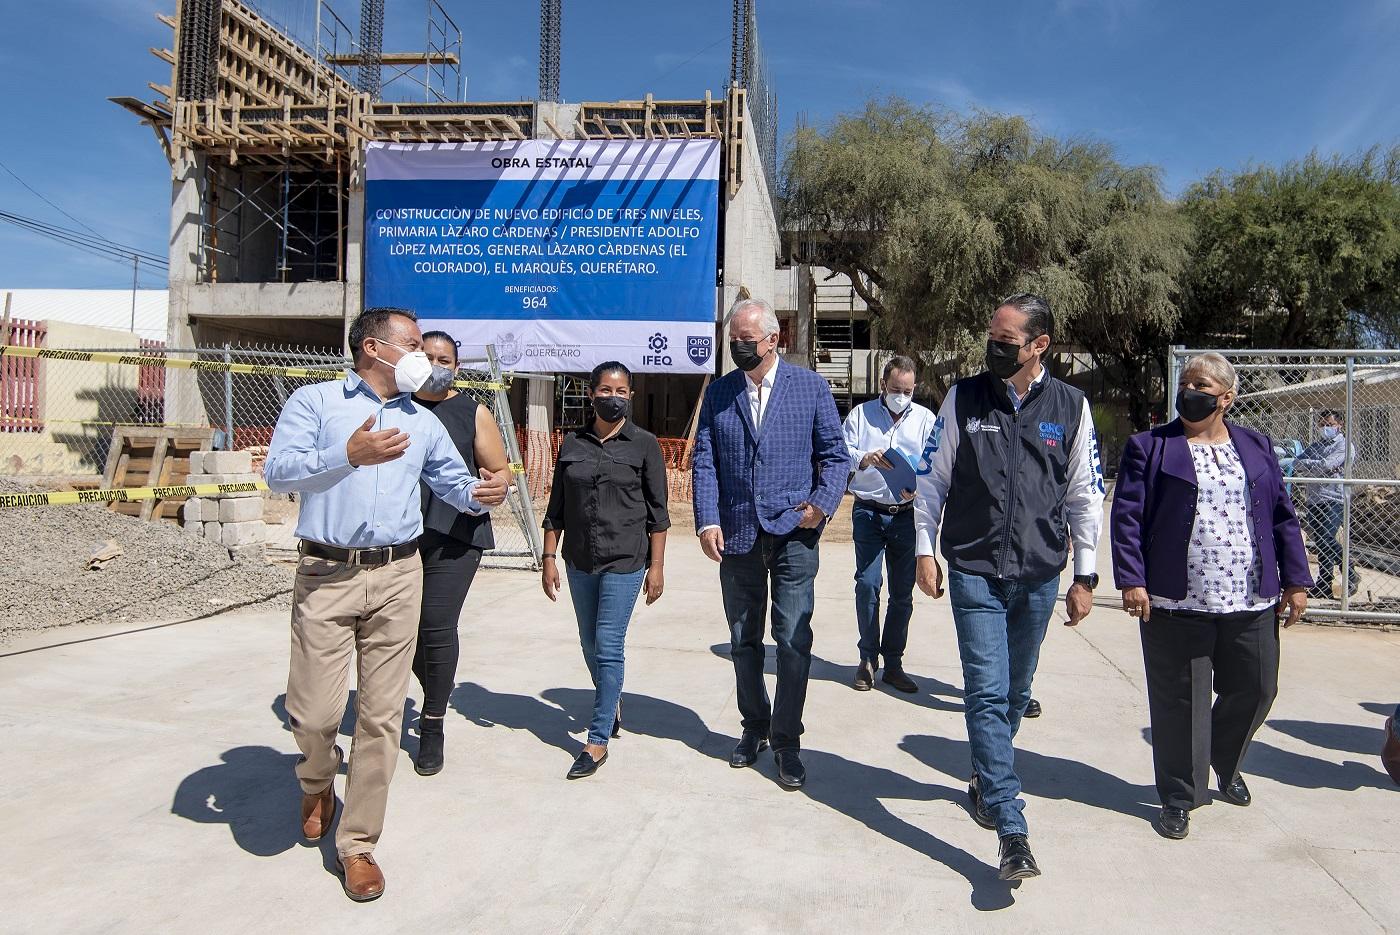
(135, 271)
(550, 26)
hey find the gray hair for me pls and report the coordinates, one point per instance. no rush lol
(1214, 366)
(767, 318)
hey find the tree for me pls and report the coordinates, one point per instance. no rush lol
(1305, 255)
(935, 216)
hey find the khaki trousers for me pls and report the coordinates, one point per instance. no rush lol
(342, 611)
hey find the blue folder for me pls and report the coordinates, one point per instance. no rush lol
(901, 476)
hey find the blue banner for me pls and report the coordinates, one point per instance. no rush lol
(561, 253)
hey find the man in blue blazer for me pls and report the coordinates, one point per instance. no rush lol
(770, 467)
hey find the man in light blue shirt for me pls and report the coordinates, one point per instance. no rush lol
(891, 426)
(355, 450)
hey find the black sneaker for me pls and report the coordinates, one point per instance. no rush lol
(1017, 861)
(979, 814)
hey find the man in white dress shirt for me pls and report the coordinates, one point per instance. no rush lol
(879, 433)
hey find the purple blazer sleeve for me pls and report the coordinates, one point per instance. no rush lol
(1127, 521)
(1293, 571)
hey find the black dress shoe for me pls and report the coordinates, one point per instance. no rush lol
(1017, 861)
(429, 759)
(1235, 791)
(865, 677)
(979, 814)
(1032, 709)
(791, 772)
(894, 677)
(585, 765)
(751, 744)
(1174, 822)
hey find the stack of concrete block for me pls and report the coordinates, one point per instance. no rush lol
(234, 520)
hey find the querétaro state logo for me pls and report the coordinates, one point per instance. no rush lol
(508, 349)
(699, 349)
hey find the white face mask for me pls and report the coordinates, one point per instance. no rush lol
(898, 402)
(412, 370)
(1330, 432)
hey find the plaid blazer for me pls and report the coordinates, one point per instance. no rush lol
(748, 479)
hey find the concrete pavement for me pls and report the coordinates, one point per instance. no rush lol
(148, 787)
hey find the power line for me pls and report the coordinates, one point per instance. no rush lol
(45, 200)
(98, 246)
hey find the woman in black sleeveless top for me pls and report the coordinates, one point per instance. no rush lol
(451, 545)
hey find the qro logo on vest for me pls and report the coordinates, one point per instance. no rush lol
(975, 425)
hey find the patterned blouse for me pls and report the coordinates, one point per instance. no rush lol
(1222, 539)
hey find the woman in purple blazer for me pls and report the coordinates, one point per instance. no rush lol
(1208, 555)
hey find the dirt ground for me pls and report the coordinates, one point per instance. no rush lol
(162, 574)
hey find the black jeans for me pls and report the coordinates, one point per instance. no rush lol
(448, 569)
(789, 563)
(1183, 653)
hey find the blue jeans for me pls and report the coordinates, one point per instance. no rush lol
(1324, 521)
(1000, 627)
(891, 538)
(603, 605)
(790, 564)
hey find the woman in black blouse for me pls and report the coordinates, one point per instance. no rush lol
(610, 495)
(451, 545)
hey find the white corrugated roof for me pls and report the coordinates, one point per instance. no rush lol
(100, 308)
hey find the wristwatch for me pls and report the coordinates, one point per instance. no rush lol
(1089, 581)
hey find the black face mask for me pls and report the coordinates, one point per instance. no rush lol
(611, 408)
(1003, 359)
(745, 354)
(1195, 406)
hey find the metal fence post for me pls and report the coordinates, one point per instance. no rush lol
(522, 486)
(1173, 375)
(1348, 456)
(228, 397)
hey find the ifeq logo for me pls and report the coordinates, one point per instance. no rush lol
(698, 348)
(658, 357)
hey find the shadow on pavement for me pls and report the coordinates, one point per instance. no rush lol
(347, 722)
(1048, 777)
(859, 791)
(550, 723)
(932, 692)
(1348, 738)
(1308, 772)
(253, 791)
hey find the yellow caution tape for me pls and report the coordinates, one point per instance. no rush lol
(125, 494)
(219, 366)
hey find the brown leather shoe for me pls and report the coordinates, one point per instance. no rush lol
(1390, 751)
(361, 877)
(317, 813)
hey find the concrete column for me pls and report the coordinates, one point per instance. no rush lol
(354, 254)
(182, 397)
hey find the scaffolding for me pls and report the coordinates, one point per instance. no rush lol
(271, 122)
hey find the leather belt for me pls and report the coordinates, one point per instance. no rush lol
(382, 555)
(889, 509)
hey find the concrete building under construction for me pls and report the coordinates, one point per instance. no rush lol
(265, 132)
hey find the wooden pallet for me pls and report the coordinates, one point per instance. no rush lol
(152, 457)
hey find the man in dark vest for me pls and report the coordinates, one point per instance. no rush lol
(1014, 449)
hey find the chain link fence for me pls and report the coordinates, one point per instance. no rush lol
(60, 413)
(1347, 492)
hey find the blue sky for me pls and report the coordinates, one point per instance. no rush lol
(1186, 85)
